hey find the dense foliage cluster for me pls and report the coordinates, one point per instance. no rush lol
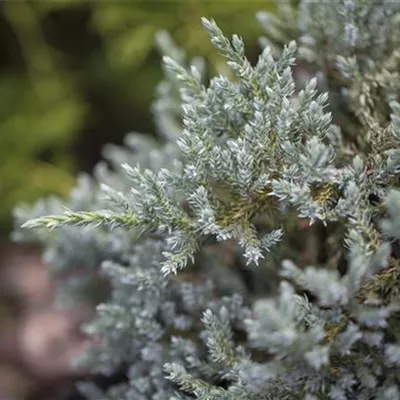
(254, 253)
(75, 74)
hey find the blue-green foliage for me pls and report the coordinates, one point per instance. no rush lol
(209, 298)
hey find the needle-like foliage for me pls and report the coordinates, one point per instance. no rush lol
(254, 253)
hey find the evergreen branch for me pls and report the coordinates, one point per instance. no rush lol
(82, 218)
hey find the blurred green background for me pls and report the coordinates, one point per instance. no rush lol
(75, 75)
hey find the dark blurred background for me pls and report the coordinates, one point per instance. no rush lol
(75, 75)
